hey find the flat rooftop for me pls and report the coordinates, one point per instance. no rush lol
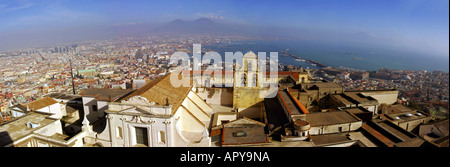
(344, 100)
(330, 118)
(63, 96)
(106, 94)
(400, 113)
(399, 109)
(359, 97)
(356, 110)
(350, 98)
(329, 139)
(323, 84)
(38, 104)
(17, 128)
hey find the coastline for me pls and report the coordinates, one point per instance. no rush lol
(328, 55)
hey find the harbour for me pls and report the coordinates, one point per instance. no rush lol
(297, 58)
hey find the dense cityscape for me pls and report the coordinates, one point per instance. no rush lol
(30, 74)
(33, 75)
(130, 82)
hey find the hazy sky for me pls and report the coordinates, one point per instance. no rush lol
(411, 21)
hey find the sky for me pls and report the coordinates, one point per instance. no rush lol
(414, 22)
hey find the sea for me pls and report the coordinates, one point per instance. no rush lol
(350, 55)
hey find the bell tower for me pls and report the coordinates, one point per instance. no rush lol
(303, 76)
(246, 92)
(247, 74)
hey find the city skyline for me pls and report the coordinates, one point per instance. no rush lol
(224, 74)
(417, 25)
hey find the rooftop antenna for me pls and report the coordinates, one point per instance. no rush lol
(71, 75)
(41, 56)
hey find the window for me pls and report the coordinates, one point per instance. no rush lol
(243, 79)
(240, 134)
(141, 136)
(119, 132)
(161, 137)
(94, 108)
(254, 80)
(340, 129)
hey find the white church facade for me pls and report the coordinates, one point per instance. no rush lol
(157, 115)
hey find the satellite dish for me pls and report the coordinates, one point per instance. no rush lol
(418, 114)
(396, 118)
(408, 115)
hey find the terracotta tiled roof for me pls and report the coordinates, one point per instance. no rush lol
(161, 89)
(293, 74)
(38, 104)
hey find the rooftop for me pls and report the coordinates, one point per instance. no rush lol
(400, 113)
(18, 128)
(38, 104)
(63, 96)
(350, 98)
(392, 135)
(243, 122)
(275, 112)
(330, 118)
(329, 139)
(360, 98)
(441, 126)
(161, 91)
(105, 94)
(398, 109)
(324, 84)
(356, 110)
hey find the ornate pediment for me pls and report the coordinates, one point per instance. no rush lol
(138, 100)
(138, 119)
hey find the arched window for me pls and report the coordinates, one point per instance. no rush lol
(249, 66)
(254, 80)
(243, 79)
